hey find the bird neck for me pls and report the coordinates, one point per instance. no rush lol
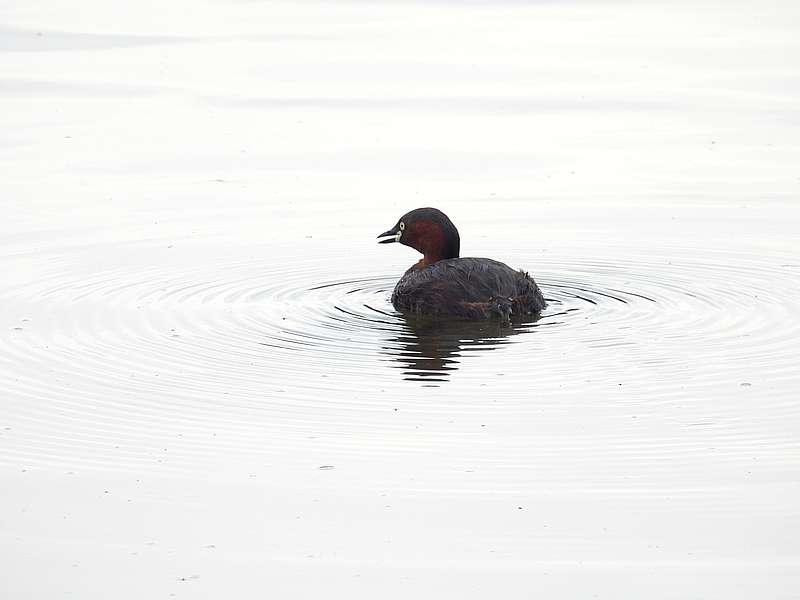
(436, 243)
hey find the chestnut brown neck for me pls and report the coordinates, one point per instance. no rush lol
(435, 242)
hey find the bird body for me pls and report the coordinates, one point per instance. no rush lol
(442, 283)
(472, 288)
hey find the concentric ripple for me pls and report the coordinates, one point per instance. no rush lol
(209, 351)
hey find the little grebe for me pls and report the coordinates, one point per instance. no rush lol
(441, 283)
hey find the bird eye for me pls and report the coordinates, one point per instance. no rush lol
(402, 226)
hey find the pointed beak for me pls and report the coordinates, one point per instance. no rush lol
(393, 235)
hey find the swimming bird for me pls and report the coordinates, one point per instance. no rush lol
(442, 283)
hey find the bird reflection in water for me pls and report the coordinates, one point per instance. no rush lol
(429, 349)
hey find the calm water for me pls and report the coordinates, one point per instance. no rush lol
(207, 393)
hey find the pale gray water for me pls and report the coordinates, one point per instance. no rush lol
(207, 393)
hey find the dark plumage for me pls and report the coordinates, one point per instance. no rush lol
(444, 284)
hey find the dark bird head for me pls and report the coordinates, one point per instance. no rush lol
(427, 230)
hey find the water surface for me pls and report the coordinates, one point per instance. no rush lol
(206, 391)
